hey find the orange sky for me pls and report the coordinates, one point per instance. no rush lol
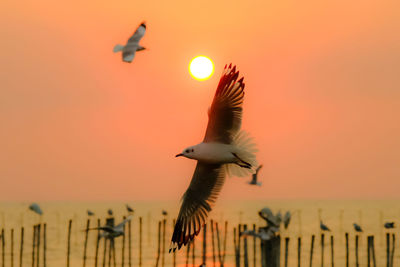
(322, 97)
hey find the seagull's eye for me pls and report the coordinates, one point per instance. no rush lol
(187, 151)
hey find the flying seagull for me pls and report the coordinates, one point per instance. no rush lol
(323, 227)
(255, 176)
(115, 231)
(262, 233)
(389, 225)
(129, 50)
(357, 227)
(35, 208)
(110, 212)
(90, 213)
(225, 150)
(129, 209)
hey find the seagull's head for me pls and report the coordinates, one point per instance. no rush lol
(189, 152)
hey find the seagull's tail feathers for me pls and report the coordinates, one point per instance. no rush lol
(246, 153)
(118, 48)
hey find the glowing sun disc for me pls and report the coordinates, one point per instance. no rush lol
(201, 68)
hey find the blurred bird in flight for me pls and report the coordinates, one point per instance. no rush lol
(36, 208)
(113, 231)
(129, 50)
(225, 150)
(129, 208)
(323, 226)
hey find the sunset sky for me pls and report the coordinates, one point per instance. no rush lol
(76, 123)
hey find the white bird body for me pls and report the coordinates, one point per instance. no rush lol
(213, 153)
(225, 151)
(132, 45)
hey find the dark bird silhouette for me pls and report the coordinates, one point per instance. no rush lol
(357, 227)
(35, 208)
(323, 227)
(90, 213)
(129, 209)
(255, 177)
(110, 212)
(389, 225)
(286, 219)
(113, 232)
(164, 212)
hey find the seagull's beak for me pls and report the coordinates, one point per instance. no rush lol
(179, 155)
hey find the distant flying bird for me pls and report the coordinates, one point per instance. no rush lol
(286, 219)
(255, 177)
(389, 225)
(90, 213)
(129, 209)
(225, 150)
(323, 227)
(110, 212)
(129, 50)
(113, 232)
(35, 208)
(357, 227)
(164, 212)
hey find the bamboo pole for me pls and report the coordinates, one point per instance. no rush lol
(12, 248)
(105, 252)
(21, 248)
(356, 248)
(245, 250)
(254, 247)
(33, 245)
(387, 250)
(237, 256)
(332, 253)
(159, 243)
(69, 242)
(96, 253)
(163, 244)
(174, 254)
(123, 246)
(187, 254)
(212, 242)
(86, 241)
(129, 245)
(204, 244)
(44, 244)
(38, 245)
(286, 250)
(140, 241)
(298, 251)
(312, 249)
(322, 249)
(3, 245)
(347, 249)
(218, 245)
(392, 254)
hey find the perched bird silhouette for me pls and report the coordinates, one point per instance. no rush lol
(129, 209)
(255, 177)
(357, 227)
(323, 227)
(286, 219)
(90, 213)
(389, 225)
(110, 212)
(36, 208)
(129, 50)
(113, 231)
(225, 150)
(164, 212)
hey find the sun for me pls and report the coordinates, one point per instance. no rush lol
(201, 68)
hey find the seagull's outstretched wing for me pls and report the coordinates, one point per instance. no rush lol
(198, 199)
(139, 33)
(225, 113)
(124, 222)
